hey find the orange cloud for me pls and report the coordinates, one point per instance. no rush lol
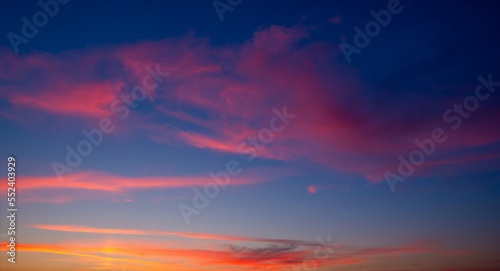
(84, 229)
(137, 255)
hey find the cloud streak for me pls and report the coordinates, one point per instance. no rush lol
(156, 256)
(84, 229)
(88, 185)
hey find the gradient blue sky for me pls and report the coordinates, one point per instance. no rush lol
(322, 175)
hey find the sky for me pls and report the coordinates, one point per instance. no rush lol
(250, 135)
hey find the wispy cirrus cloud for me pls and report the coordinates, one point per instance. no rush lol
(215, 97)
(101, 185)
(84, 229)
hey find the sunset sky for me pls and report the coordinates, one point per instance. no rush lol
(251, 135)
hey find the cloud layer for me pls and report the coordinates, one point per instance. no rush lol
(216, 97)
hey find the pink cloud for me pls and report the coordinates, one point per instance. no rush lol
(216, 97)
(100, 185)
(312, 189)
